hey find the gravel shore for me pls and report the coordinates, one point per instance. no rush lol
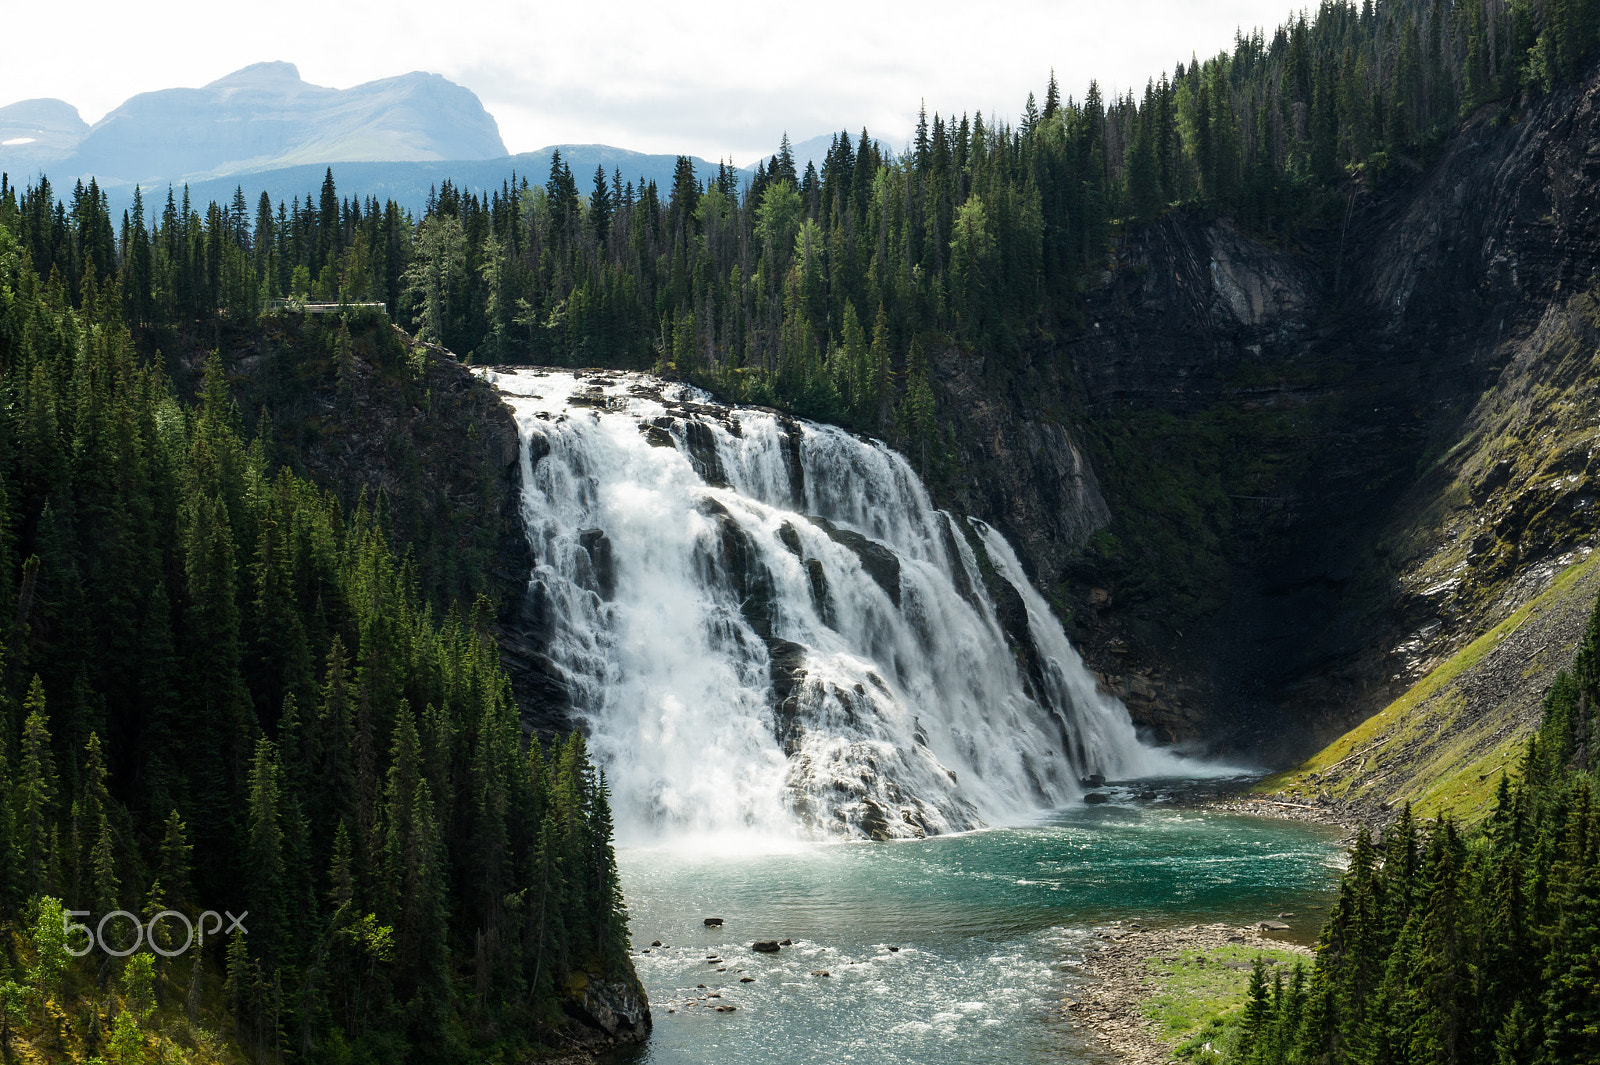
(1130, 964)
(1335, 815)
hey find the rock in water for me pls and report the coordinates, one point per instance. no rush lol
(713, 922)
(765, 946)
(1094, 798)
(1272, 926)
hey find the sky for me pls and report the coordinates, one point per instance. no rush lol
(720, 83)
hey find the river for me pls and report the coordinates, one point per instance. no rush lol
(990, 928)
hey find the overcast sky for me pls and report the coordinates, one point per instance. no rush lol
(714, 82)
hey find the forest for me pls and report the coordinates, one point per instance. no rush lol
(1481, 948)
(222, 691)
(823, 291)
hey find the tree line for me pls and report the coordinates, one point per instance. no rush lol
(220, 690)
(824, 289)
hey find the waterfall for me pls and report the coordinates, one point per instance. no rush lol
(765, 625)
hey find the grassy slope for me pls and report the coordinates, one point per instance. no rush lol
(1194, 986)
(1442, 745)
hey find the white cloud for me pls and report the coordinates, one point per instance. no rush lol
(716, 83)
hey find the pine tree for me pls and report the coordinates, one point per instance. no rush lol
(264, 858)
(36, 799)
(601, 206)
(1571, 1022)
(175, 863)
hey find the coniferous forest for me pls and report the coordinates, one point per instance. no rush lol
(822, 290)
(1451, 947)
(222, 690)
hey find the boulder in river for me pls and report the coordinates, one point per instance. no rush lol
(786, 943)
(1094, 780)
(819, 972)
(1272, 926)
(1094, 798)
(765, 946)
(713, 922)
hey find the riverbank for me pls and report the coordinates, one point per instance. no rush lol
(1153, 989)
(1334, 815)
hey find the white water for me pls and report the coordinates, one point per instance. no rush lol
(909, 718)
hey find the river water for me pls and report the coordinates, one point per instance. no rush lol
(768, 632)
(991, 927)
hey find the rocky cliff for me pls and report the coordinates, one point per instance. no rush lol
(1274, 478)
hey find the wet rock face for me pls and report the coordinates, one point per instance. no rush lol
(703, 453)
(601, 560)
(881, 564)
(742, 567)
(787, 669)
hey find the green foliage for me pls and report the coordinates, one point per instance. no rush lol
(127, 1041)
(288, 727)
(49, 942)
(138, 985)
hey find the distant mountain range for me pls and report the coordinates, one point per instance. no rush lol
(408, 183)
(264, 129)
(262, 117)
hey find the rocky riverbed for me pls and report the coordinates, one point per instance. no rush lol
(1151, 988)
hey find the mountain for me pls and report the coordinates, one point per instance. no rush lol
(408, 183)
(263, 116)
(38, 131)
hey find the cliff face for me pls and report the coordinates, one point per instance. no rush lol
(1326, 463)
(367, 411)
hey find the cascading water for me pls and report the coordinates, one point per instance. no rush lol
(765, 624)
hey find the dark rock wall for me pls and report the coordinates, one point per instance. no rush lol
(1321, 409)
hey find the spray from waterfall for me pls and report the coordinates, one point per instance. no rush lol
(766, 626)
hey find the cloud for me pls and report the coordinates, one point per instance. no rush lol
(715, 83)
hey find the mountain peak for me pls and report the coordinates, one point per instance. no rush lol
(275, 74)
